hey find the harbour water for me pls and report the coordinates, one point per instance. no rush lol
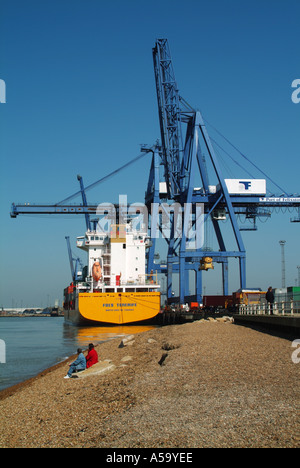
(32, 344)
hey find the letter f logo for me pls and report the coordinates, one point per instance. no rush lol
(246, 184)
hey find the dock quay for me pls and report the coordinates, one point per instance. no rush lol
(182, 316)
(285, 323)
(283, 316)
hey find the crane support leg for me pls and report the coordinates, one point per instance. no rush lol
(199, 286)
(243, 271)
(225, 277)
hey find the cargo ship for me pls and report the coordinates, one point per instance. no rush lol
(113, 289)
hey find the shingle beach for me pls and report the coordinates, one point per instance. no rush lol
(201, 384)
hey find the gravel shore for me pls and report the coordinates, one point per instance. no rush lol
(201, 384)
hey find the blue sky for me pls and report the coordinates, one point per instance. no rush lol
(80, 99)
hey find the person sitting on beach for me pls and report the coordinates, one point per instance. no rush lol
(78, 365)
(92, 356)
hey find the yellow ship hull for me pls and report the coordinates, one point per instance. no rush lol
(114, 308)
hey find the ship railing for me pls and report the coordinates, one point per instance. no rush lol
(142, 280)
(84, 285)
(280, 308)
(148, 279)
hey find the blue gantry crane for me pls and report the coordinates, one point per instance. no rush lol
(75, 262)
(186, 189)
(185, 162)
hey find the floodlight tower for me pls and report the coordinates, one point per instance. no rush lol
(282, 244)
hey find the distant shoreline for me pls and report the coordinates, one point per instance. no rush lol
(29, 315)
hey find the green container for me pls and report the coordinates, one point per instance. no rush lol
(294, 289)
(294, 293)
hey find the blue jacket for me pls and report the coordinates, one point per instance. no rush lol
(80, 362)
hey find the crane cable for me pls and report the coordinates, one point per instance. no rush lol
(247, 159)
(103, 179)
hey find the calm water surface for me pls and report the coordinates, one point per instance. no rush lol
(35, 343)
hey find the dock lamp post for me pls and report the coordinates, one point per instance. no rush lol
(282, 244)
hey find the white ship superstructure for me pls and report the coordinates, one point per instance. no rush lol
(116, 276)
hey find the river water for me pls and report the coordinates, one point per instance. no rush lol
(32, 344)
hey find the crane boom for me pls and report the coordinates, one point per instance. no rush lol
(70, 257)
(169, 114)
(74, 270)
(84, 201)
(238, 202)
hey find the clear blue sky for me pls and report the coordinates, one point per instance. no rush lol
(81, 98)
